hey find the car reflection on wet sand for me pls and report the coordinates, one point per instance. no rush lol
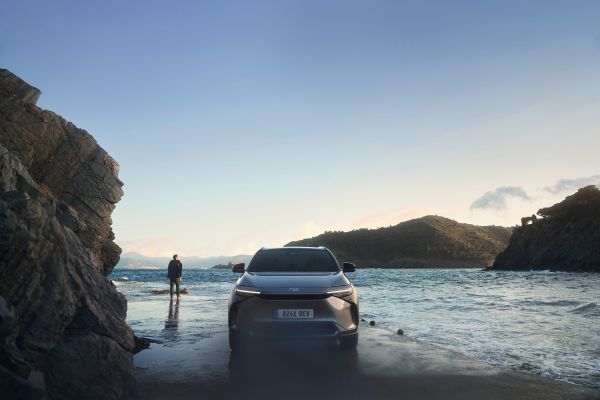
(292, 370)
(384, 366)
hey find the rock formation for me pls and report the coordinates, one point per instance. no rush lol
(528, 220)
(62, 323)
(566, 238)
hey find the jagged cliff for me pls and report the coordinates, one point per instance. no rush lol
(62, 323)
(565, 238)
(430, 241)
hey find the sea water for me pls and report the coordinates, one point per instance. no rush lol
(546, 323)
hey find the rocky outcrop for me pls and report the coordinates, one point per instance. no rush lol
(565, 238)
(62, 323)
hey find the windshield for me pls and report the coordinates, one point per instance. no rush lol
(295, 260)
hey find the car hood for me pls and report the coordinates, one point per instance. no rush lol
(296, 282)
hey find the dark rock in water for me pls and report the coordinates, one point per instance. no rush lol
(400, 332)
(565, 238)
(141, 343)
(372, 323)
(229, 265)
(167, 291)
(63, 327)
(526, 366)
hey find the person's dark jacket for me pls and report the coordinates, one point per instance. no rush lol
(174, 270)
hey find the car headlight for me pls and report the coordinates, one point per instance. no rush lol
(340, 292)
(246, 292)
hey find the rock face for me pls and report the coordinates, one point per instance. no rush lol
(430, 241)
(566, 238)
(62, 323)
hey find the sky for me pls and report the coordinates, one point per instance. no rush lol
(242, 124)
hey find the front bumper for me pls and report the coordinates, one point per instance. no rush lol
(255, 317)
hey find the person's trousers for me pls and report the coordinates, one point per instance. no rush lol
(174, 282)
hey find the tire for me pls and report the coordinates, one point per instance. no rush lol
(234, 342)
(349, 342)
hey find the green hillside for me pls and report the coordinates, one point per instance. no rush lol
(430, 241)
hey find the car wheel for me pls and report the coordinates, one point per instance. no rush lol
(233, 341)
(349, 342)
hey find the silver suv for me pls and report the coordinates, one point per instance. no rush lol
(294, 292)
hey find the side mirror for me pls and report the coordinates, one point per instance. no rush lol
(239, 268)
(349, 267)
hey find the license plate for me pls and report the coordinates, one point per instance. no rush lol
(294, 314)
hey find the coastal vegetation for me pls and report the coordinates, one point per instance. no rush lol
(430, 241)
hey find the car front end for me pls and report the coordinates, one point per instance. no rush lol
(294, 301)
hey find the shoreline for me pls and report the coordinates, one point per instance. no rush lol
(493, 326)
(363, 267)
(385, 366)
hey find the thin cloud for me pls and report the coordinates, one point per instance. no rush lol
(571, 185)
(496, 200)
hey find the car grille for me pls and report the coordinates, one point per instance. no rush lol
(299, 296)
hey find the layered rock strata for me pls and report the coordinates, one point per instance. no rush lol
(62, 323)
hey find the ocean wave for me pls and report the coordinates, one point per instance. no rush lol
(461, 308)
(590, 310)
(534, 272)
(552, 303)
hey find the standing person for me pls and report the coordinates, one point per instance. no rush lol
(174, 274)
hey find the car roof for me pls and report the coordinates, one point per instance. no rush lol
(294, 248)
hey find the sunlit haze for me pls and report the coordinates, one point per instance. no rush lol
(243, 124)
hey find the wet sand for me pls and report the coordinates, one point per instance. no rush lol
(384, 366)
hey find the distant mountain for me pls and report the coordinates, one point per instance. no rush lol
(565, 237)
(136, 260)
(430, 241)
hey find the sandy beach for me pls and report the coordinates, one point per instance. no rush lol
(384, 366)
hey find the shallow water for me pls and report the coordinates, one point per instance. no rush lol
(542, 322)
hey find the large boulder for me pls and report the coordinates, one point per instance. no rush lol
(64, 333)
